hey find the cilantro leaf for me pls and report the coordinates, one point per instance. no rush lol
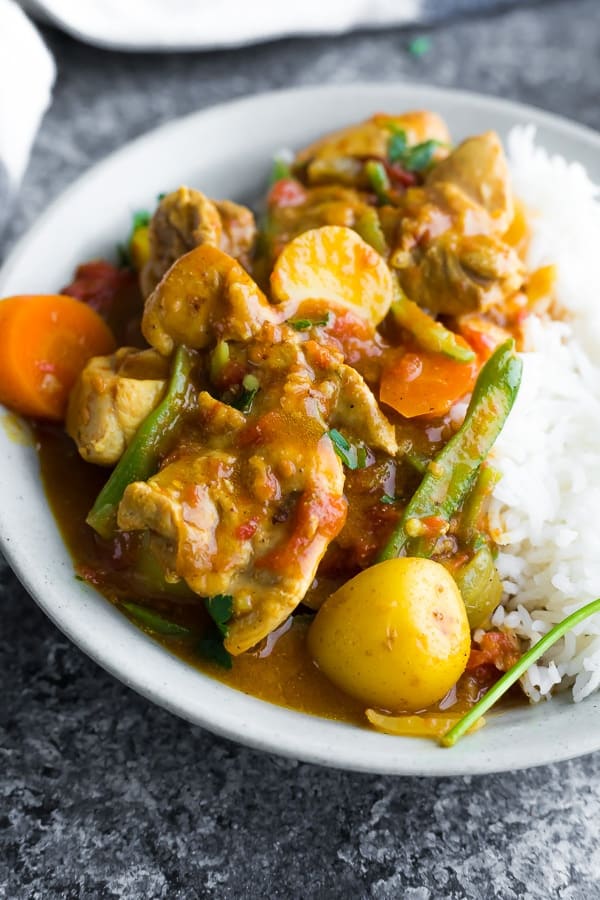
(280, 170)
(211, 647)
(304, 324)
(387, 499)
(419, 157)
(141, 219)
(352, 456)
(220, 609)
(250, 388)
(413, 159)
(397, 144)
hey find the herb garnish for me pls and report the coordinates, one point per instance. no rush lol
(413, 159)
(354, 456)
(509, 678)
(387, 499)
(304, 324)
(280, 170)
(140, 219)
(220, 609)
(250, 388)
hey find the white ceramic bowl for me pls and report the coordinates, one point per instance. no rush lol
(226, 152)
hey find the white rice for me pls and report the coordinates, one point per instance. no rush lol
(546, 504)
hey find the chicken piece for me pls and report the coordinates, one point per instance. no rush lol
(111, 398)
(478, 169)
(457, 274)
(186, 219)
(205, 296)
(449, 251)
(239, 231)
(252, 510)
(370, 138)
(358, 413)
(183, 220)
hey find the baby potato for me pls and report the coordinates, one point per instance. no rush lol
(335, 265)
(396, 636)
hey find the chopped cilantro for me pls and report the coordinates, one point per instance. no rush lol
(413, 159)
(397, 143)
(304, 324)
(250, 388)
(419, 46)
(352, 456)
(220, 609)
(141, 219)
(211, 647)
(280, 170)
(419, 157)
(388, 500)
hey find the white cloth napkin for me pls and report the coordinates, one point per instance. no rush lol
(208, 24)
(27, 74)
(205, 24)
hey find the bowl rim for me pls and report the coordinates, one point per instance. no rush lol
(263, 725)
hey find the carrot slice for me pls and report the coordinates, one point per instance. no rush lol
(424, 383)
(335, 265)
(45, 341)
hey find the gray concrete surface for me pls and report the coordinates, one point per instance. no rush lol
(104, 795)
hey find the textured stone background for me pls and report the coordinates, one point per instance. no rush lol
(104, 795)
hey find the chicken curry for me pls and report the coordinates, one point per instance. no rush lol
(296, 417)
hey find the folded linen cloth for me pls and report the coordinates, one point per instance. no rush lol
(27, 73)
(208, 24)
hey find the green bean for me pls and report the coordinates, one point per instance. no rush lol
(369, 228)
(429, 334)
(141, 458)
(451, 474)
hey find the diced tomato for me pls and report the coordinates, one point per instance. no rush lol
(424, 383)
(97, 283)
(497, 649)
(287, 192)
(399, 175)
(264, 429)
(247, 530)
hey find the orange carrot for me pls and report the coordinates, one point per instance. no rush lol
(424, 383)
(45, 341)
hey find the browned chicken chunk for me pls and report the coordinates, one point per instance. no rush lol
(111, 398)
(449, 251)
(251, 510)
(185, 219)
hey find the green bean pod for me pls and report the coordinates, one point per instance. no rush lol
(451, 474)
(142, 456)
